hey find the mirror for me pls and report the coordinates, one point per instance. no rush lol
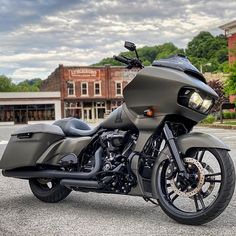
(130, 46)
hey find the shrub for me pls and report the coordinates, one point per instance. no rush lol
(227, 115)
(209, 119)
(232, 115)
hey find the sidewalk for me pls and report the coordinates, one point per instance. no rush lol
(218, 125)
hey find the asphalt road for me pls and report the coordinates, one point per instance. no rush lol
(98, 214)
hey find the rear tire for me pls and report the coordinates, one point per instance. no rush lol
(50, 194)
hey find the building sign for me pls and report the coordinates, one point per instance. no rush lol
(84, 72)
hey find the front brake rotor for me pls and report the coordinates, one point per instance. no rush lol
(189, 192)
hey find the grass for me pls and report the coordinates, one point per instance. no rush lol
(229, 122)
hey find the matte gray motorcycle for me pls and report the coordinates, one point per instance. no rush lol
(144, 148)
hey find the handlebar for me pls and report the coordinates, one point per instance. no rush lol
(121, 59)
(129, 62)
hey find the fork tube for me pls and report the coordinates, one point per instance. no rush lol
(170, 139)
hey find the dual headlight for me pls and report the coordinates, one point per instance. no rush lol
(195, 100)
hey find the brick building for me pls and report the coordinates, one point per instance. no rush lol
(230, 32)
(89, 93)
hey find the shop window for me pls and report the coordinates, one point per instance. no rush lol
(101, 112)
(24, 113)
(71, 88)
(118, 88)
(84, 88)
(97, 88)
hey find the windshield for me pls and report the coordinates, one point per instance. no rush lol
(182, 63)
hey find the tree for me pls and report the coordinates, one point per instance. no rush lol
(230, 85)
(207, 51)
(32, 85)
(6, 84)
(218, 86)
(204, 51)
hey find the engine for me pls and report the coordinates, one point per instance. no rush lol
(117, 146)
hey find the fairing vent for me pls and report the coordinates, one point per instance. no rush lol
(195, 74)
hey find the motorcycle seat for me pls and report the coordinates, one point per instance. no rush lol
(73, 127)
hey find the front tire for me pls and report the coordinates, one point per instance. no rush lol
(49, 191)
(223, 181)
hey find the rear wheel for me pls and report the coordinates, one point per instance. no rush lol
(205, 194)
(48, 190)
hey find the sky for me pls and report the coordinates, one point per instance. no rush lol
(38, 35)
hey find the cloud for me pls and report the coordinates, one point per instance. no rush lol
(38, 35)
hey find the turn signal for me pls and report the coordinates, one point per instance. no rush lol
(149, 112)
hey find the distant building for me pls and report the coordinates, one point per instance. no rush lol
(29, 107)
(89, 92)
(230, 32)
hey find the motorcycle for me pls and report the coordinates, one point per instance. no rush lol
(143, 148)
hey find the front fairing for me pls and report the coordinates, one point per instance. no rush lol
(158, 87)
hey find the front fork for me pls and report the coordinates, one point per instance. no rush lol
(175, 154)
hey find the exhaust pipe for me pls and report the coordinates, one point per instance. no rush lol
(70, 183)
(57, 174)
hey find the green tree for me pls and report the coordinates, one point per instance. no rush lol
(207, 51)
(6, 84)
(230, 85)
(32, 85)
(204, 51)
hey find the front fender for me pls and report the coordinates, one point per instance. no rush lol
(196, 139)
(184, 143)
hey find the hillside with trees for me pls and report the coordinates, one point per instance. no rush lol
(205, 51)
(6, 85)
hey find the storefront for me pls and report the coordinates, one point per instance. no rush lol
(91, 111)
(29, 107)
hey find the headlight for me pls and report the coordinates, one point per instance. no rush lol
(207, 103)
(195, 100)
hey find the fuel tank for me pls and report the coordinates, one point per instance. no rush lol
(118, 119)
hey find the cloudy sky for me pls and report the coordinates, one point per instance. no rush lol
(37, 35)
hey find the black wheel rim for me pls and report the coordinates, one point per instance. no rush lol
(205, 198)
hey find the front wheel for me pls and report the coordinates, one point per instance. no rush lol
(205, 194)
(48, 190)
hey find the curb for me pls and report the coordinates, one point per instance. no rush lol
(218, 126)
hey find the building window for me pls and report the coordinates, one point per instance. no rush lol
(84, 88)
(119, 89)
(71, 88)
(24, 113)
(97, 88)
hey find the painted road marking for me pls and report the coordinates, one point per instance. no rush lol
(230, 137)
(3, 142)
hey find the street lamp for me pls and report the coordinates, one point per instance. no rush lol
(207, 64)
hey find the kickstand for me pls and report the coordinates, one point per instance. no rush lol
(147, 199)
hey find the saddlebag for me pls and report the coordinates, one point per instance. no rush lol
(27, 144)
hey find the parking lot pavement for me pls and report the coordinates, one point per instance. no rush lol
(99, 214)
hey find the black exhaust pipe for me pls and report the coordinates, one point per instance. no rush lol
(76, 183)
(57, 174)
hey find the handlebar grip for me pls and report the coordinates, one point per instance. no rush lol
(121, 59)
